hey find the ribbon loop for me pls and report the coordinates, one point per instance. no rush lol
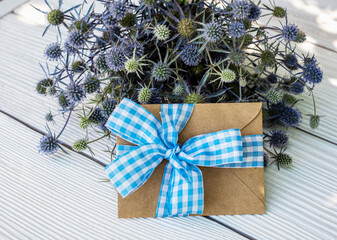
(181, 191)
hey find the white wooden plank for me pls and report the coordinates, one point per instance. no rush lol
(301, 202)
(61, 197)
(6, 6)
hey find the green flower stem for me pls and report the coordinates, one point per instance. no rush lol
(97, 139)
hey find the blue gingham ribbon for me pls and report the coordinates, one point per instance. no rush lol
(181, 191)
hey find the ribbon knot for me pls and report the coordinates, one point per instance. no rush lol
(181, 191)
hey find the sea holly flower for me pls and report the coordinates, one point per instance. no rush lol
(212, 32)
(290, 117)
(237, 56)
(76, 39)
(96, 116)
(115, 58)
(277, 138)
(80, 145)
(107, 107)
(186, 28)
(42, 85)
(189, 55)
(194, 98)
(144, 95)
(291, 62)
(241, 9)
(254, 12)
(178, 90)
(162, 32)
(49, 144)
(91, 84)
(213, 53)
(74, 93)
(312, 73)
(118, 9)
(161, 71)
(290, 32)
(53, 52)
(236, 29)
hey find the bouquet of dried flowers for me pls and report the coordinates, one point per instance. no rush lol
(177, 51)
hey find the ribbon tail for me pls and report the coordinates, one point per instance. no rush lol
(179, 197)
(131, 170)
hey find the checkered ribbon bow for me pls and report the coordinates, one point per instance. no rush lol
(181, 191)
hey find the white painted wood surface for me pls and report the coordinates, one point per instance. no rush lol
(61, 197)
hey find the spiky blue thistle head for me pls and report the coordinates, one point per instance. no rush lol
(194, 98)
(277, 138)
(144, 95)
(297, 88)
(279, 12)
(162, 32)
(74, 93)
(227, 76)
(237, 56)
(272, 78)
(273, 96)
(63, 101)
(213, 32)
(312, 73)
(91, 84)
(41, 86)
(290, 116)
(254, 12)
(283, 159)
(53, 51)
(80, 145)
(96, 116)
(301, 37)
(186, 28)
(100, 62)
(49, 117)
(290, 32)
(314, 121)
(76, 39)
(291, 62)
(48, 144)
(189, 55)
(115, 58)
(268, 58)
(118, 9)
(236, 29)
(161, 71)
(107, 107)
(241, 9)
(178, 90)
(55, 17)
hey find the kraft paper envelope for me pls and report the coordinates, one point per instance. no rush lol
(227, 191)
